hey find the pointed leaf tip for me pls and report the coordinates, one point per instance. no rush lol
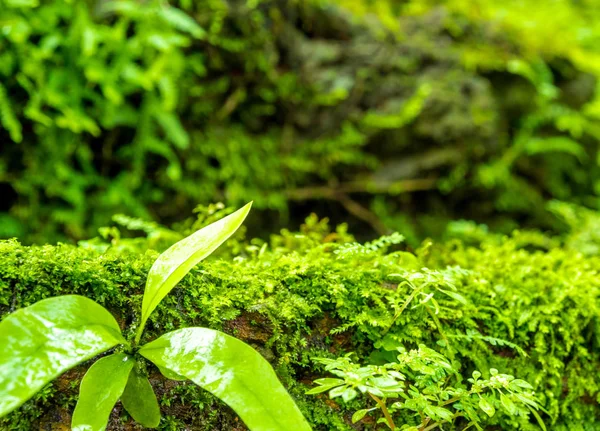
(172, 265)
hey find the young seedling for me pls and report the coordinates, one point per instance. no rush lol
(42, 341)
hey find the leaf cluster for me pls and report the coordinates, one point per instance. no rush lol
(425, 383)
(52, 336)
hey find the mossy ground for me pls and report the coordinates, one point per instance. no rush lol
(523, 304)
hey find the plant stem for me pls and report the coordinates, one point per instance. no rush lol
(363, 213)
(450, 401)
(441, 331)
(437, 424)
(455, 399)
(341, 192)
(414, 293)
(385, 411)
(424, 421)
(432, 426)
(138, 334)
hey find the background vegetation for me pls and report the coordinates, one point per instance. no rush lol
(369, 111)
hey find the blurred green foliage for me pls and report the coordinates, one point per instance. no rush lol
(383, 110)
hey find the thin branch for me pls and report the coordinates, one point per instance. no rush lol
(455, 399)
(414, 293)
(369, 186)
(385, 411)
(437, 424)
(231, 103)
(340, 193)
(441, 331)
(364, 214)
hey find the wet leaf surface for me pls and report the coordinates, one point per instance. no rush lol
(232, 371)
(100, 390)
(48, 338)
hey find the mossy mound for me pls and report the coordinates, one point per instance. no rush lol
(523, 304)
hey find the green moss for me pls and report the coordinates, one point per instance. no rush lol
(502, 303)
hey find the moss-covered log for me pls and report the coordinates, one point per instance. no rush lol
(527, 307)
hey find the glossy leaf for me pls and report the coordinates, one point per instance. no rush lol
(438, 413)
(349, 394)
(172, 265)
(232, 371)
(40, 342)
(140, 401)
(171, 375)
(100, 390)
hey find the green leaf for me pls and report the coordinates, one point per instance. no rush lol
(182, 21)
(538, 418)
(384, 382)
(359, 414)
(100, 390)
(173, 128)
(172, 265)
(508, 404)
(438, 413)
(376, 392)
(323, 388)
(337, 391)
(231, 370)
(171, 375)
(518, 383)
(140, 401)
(526, 399)
(487, 407)
(454, 295)
(559, 144)
(349, 394)
(318, 390)
(42, 341)
(329, 381)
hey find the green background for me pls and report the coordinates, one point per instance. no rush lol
(390, 115)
